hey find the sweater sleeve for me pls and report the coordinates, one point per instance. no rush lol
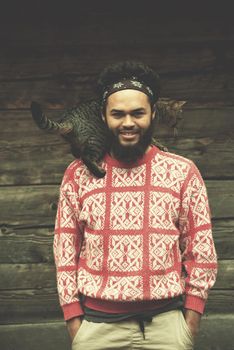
(199, 257)
(67, 242)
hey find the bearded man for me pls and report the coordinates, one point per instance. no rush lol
(134, 250)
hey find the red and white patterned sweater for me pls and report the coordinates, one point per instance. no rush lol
(141, 233)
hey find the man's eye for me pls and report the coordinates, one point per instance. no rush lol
(117, 115)
(138, 114)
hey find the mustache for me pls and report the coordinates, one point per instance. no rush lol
(129, 129)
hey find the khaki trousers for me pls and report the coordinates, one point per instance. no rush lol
(167, 331)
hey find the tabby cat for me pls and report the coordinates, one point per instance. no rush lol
(87, 134)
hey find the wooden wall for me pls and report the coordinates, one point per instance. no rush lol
(52, 53)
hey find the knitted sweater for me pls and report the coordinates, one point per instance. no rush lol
(140, 234)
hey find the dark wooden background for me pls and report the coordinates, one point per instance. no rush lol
(52, 53)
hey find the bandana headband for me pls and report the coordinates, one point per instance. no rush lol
(125, 84)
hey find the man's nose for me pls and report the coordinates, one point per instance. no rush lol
(128, 121)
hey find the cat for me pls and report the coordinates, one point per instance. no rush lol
(83, 128)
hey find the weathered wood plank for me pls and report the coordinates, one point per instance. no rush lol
(69, 89)
(45, 62)
(30, 305)
(36, 205)
(213, 157)
(221, 196)
(220, 301)
(42, 157)
(215, 334)
(48, 336)
(47, 163)
(24, 306)
(34, 164)
(34, 245)
(27, 276)
(205, 122)
(29, 205)
(36, 276)
(214, 122)
(223, 233)
(27, 245)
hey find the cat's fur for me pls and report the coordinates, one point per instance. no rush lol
(87, 134)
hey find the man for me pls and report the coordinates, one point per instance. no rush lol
(134, 250)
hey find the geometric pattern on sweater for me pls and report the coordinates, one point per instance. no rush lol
(92, 251)
(85, 181)
(123, 288)
(164, 210)
(67, 287)
(162, 251)
(69, 191)
(203, 247)
(93, 211)
(198, 274)
(168, 172)
(89, 283)
(166, 286)
(121, 177)
(66, 249)
(125, 253)
(127, 209)
(134, 222)
(198, 198)
(68, 217)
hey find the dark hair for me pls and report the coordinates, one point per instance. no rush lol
(126, 70)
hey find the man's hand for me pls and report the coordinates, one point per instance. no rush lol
(193, 319)
(73, 326)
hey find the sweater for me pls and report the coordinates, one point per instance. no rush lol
(135, 238)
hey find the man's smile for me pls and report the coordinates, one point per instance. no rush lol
(129, 135)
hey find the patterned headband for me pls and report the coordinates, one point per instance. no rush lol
(125, 84)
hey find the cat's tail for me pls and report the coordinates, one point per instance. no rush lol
(45, 123)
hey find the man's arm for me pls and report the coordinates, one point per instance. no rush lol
(197, 247)
(193, 320)
(67, 242)
(73, 326)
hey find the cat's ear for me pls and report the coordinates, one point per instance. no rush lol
(178, 104)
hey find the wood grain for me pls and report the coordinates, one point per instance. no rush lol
(41, 62)
(198, 121)
(45, 164)
(31, 156)
(52, 55)
(68, 89)
(34, 305)
(25, 245)
(36, 276)
(36, 205)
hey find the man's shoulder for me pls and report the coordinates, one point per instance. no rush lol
(172, 169)
(168, 158)
(76, 167)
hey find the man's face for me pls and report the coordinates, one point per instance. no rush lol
(129, 117)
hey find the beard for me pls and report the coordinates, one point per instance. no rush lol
(130, 154)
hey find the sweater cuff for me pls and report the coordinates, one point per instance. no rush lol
(194, 303)
(72, 310)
